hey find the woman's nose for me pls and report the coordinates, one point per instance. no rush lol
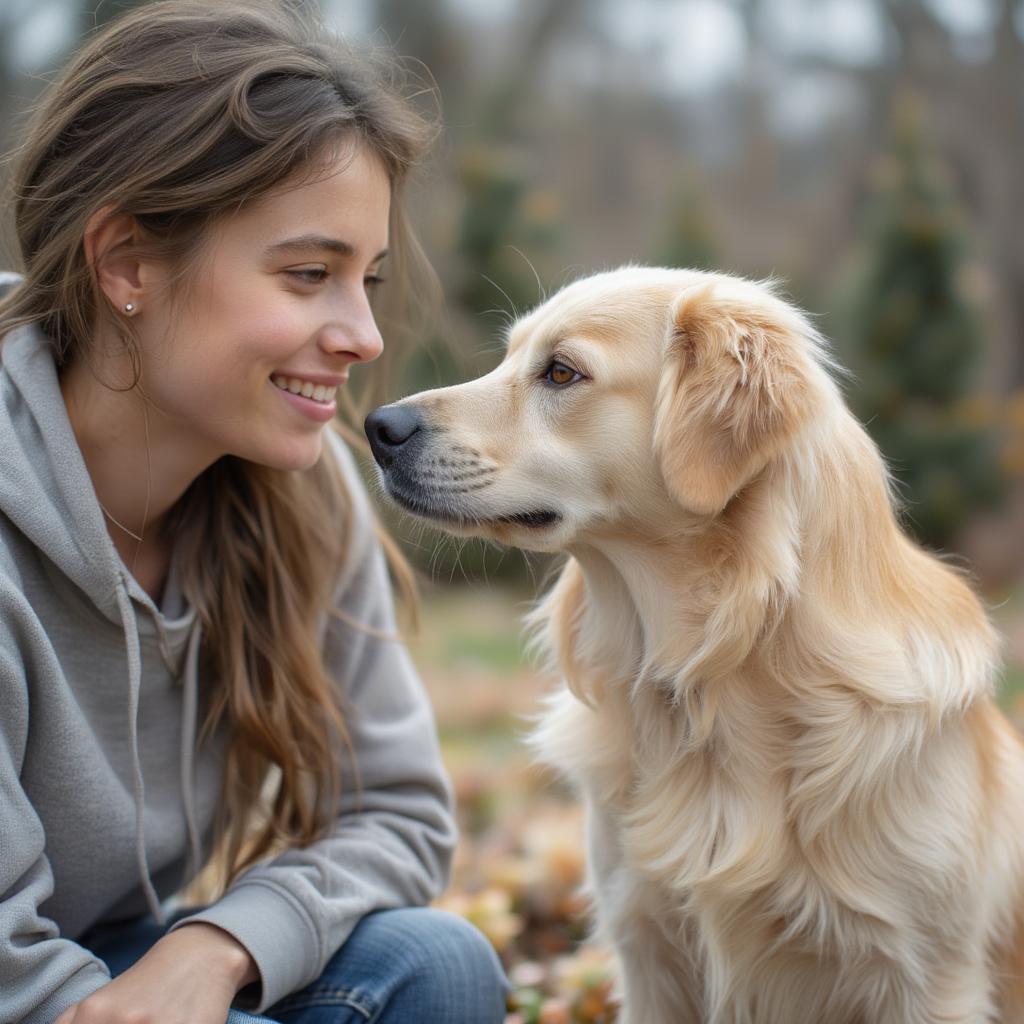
(356, 333)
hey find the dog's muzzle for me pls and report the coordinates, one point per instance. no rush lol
(445, 488)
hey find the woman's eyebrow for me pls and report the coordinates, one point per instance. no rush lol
(317, 243)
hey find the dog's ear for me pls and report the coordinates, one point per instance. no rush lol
(737, 384)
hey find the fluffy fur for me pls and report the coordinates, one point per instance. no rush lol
(803, 805)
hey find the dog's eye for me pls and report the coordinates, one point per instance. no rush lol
(561, 375)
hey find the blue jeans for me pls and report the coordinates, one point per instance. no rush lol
(409, 966)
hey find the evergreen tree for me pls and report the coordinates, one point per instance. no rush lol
(916, 338)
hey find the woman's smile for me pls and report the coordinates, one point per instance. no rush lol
(308, 388)
(312, 400)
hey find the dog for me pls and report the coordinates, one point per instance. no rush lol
(803, 805)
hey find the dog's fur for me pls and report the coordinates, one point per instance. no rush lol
(803, 806)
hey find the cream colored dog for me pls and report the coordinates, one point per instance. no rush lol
(804, 807)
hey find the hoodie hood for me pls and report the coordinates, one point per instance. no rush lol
(47, 495)
(45, 489)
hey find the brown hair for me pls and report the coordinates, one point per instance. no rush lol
(178, 114)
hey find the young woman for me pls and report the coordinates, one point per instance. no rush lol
(197, 653)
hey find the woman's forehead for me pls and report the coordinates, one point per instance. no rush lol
(343, 209)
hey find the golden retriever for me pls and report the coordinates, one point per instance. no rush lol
(803, 805)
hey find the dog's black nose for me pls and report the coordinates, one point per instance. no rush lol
(388, 428)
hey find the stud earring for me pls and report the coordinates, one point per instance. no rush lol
(129, 308)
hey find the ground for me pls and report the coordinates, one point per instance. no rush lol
(520, 859)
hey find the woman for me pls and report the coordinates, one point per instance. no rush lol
(196, 653)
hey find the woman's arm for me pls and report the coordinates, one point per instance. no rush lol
(45, 977)
(41, 973)
(394, 836)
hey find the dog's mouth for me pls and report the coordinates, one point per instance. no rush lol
(433, 508)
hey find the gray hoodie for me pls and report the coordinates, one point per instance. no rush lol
(106, 802)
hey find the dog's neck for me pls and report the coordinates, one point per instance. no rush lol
(648, 621)
(691, 606)
(809, 552)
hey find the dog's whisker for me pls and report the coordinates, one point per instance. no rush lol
(507, 318)
(540, 288)
(515, 312)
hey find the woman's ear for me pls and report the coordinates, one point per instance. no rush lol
(737, 385)
(110, 245)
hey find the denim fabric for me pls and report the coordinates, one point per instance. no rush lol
(409, 966)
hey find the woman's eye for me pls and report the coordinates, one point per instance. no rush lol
(561, 375)
(310, 275)
(372, 281)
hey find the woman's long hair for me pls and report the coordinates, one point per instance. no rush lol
(179, 114)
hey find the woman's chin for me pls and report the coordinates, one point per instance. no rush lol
(301, 454)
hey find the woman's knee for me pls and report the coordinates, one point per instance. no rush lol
(447, 970)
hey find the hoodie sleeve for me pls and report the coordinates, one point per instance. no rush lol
(394, 836)
(41, 973)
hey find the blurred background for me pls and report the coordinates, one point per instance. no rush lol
(867, 153)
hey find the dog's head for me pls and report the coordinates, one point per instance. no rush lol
(623, 399)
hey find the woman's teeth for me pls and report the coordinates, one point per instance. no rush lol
(318, 392)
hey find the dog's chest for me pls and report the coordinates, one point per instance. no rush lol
(707, 816)
(710, 831)
(695, 829)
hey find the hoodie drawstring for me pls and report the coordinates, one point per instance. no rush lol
(189, 701)
(189, 704)
(131, 643)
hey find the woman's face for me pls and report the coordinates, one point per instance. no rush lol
(249, 363)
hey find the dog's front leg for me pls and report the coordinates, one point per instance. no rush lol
(658, 980)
